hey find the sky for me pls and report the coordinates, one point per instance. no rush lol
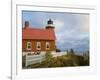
(72, 29)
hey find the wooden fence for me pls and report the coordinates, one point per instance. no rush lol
(32, 59)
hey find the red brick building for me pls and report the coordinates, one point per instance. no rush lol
(38, 40)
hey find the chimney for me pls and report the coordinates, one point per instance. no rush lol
(26, 24)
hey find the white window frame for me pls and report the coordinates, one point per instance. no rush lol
(38, 44)
(29, 44)
(47, 43)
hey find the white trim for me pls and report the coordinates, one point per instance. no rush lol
(50, 25)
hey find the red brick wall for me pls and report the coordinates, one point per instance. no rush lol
(43, 45)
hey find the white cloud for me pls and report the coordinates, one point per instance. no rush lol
(83, 23)
(59, 25)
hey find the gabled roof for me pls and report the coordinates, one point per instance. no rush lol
(38, 34)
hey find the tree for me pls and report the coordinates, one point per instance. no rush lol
(49, 57)
(71, 51)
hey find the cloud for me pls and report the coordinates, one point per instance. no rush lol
(83, 25)
(59, 25)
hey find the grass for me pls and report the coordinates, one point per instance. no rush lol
(68, 60)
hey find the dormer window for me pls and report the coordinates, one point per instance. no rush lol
(38, 46)
(29, 45)
(47, 45)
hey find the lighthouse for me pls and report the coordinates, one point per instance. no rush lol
(50, 24)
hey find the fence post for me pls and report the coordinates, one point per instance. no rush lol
(26, 60)
(40, 58)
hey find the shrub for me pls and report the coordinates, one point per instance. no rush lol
(58, 50)
(48, 57)
(62, 61)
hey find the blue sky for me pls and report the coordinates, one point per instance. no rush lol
(72, 29)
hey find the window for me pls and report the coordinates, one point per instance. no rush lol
(47, 45)
(29, 45)
(38, 45)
